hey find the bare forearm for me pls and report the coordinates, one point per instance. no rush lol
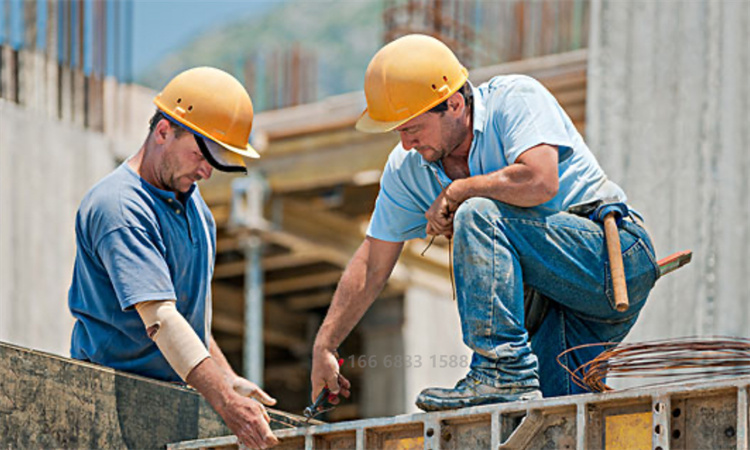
(219, 358)
(210, 380)
(362, 281)
(532, 180)
(514, 185)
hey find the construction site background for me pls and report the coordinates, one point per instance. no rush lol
(667, 102)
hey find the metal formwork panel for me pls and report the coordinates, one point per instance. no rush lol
(700, 415)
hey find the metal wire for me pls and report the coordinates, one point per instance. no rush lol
(666, 361)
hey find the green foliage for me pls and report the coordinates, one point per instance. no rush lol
(343, 35)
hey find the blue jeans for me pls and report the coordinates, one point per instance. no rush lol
(497, 247)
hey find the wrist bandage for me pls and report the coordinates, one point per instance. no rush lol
(178, 342)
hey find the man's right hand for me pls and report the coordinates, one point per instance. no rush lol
(245, 416)
(249, 421)
(325, 373)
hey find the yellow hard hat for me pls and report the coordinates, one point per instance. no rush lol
(215, 106)
(406, 78)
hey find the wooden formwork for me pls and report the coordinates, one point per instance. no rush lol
(47, 401)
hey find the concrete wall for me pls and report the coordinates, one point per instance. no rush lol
(668, 116)
(46, 166)
(431, 338)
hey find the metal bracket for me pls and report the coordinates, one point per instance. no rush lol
(249, 195)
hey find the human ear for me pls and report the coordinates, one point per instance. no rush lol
(161, 131)
(456, 102)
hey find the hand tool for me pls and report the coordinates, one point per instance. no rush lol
(611, 214)
(323, 400)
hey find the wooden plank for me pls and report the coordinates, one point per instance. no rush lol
(302, 283)
(310, 301)
(276, 262)
(47, 401)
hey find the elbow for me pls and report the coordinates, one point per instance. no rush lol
(550, 189)
(543, 191)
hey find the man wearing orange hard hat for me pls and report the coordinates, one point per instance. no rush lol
(498, 169)
(141, 290)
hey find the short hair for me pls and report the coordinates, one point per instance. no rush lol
(465, 91)
(156, 118)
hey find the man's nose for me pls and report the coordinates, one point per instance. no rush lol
(205, 169)
(407, 142)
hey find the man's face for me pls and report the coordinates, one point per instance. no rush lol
(182, 162)
(433, 135)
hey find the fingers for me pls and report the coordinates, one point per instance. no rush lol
(438, 229)
(333, 383)
(254, 438)
(257, 433)
(263, 397)
(247, 388)
(249, 437)
(269, 439)
(344, 391)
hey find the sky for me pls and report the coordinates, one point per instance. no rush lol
(160, 26)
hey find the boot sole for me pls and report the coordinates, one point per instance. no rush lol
(429, 403)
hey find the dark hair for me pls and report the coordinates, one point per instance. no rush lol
(158, 115)
(465, 91)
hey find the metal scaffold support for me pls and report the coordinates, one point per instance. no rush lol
(249, 195)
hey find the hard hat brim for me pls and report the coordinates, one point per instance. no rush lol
(226, 160)
(247, 152)
(367, 124)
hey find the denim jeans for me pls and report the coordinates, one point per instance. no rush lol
(498, 247)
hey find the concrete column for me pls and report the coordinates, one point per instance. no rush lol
(667, 110)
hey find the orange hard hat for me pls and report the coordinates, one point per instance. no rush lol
(214, 105)
(406, 78)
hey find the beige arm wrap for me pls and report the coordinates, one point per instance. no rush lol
(178, 342)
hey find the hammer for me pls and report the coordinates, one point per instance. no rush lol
(611, 215)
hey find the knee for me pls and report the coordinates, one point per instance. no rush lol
(473, 210)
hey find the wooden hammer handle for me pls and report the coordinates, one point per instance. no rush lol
(616, 267)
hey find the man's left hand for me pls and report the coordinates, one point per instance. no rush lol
(440, 215)
(247, 388)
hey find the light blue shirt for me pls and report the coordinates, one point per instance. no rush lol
(511, 115)
(137, 243)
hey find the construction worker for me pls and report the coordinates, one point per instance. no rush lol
(495, 168)
(141, 290)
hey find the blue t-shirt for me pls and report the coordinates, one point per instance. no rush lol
(138, 243)
(511, 115)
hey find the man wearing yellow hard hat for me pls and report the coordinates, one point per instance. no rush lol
(141, 290)
(495, 168)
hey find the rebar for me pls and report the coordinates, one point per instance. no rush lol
(670, 361)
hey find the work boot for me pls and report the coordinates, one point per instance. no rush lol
(471, 392)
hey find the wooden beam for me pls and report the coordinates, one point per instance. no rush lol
(270, 263)
(270, 337)
(310, 301)
(302, 283)
(228, 323)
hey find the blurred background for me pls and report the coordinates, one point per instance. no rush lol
(660, 90)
